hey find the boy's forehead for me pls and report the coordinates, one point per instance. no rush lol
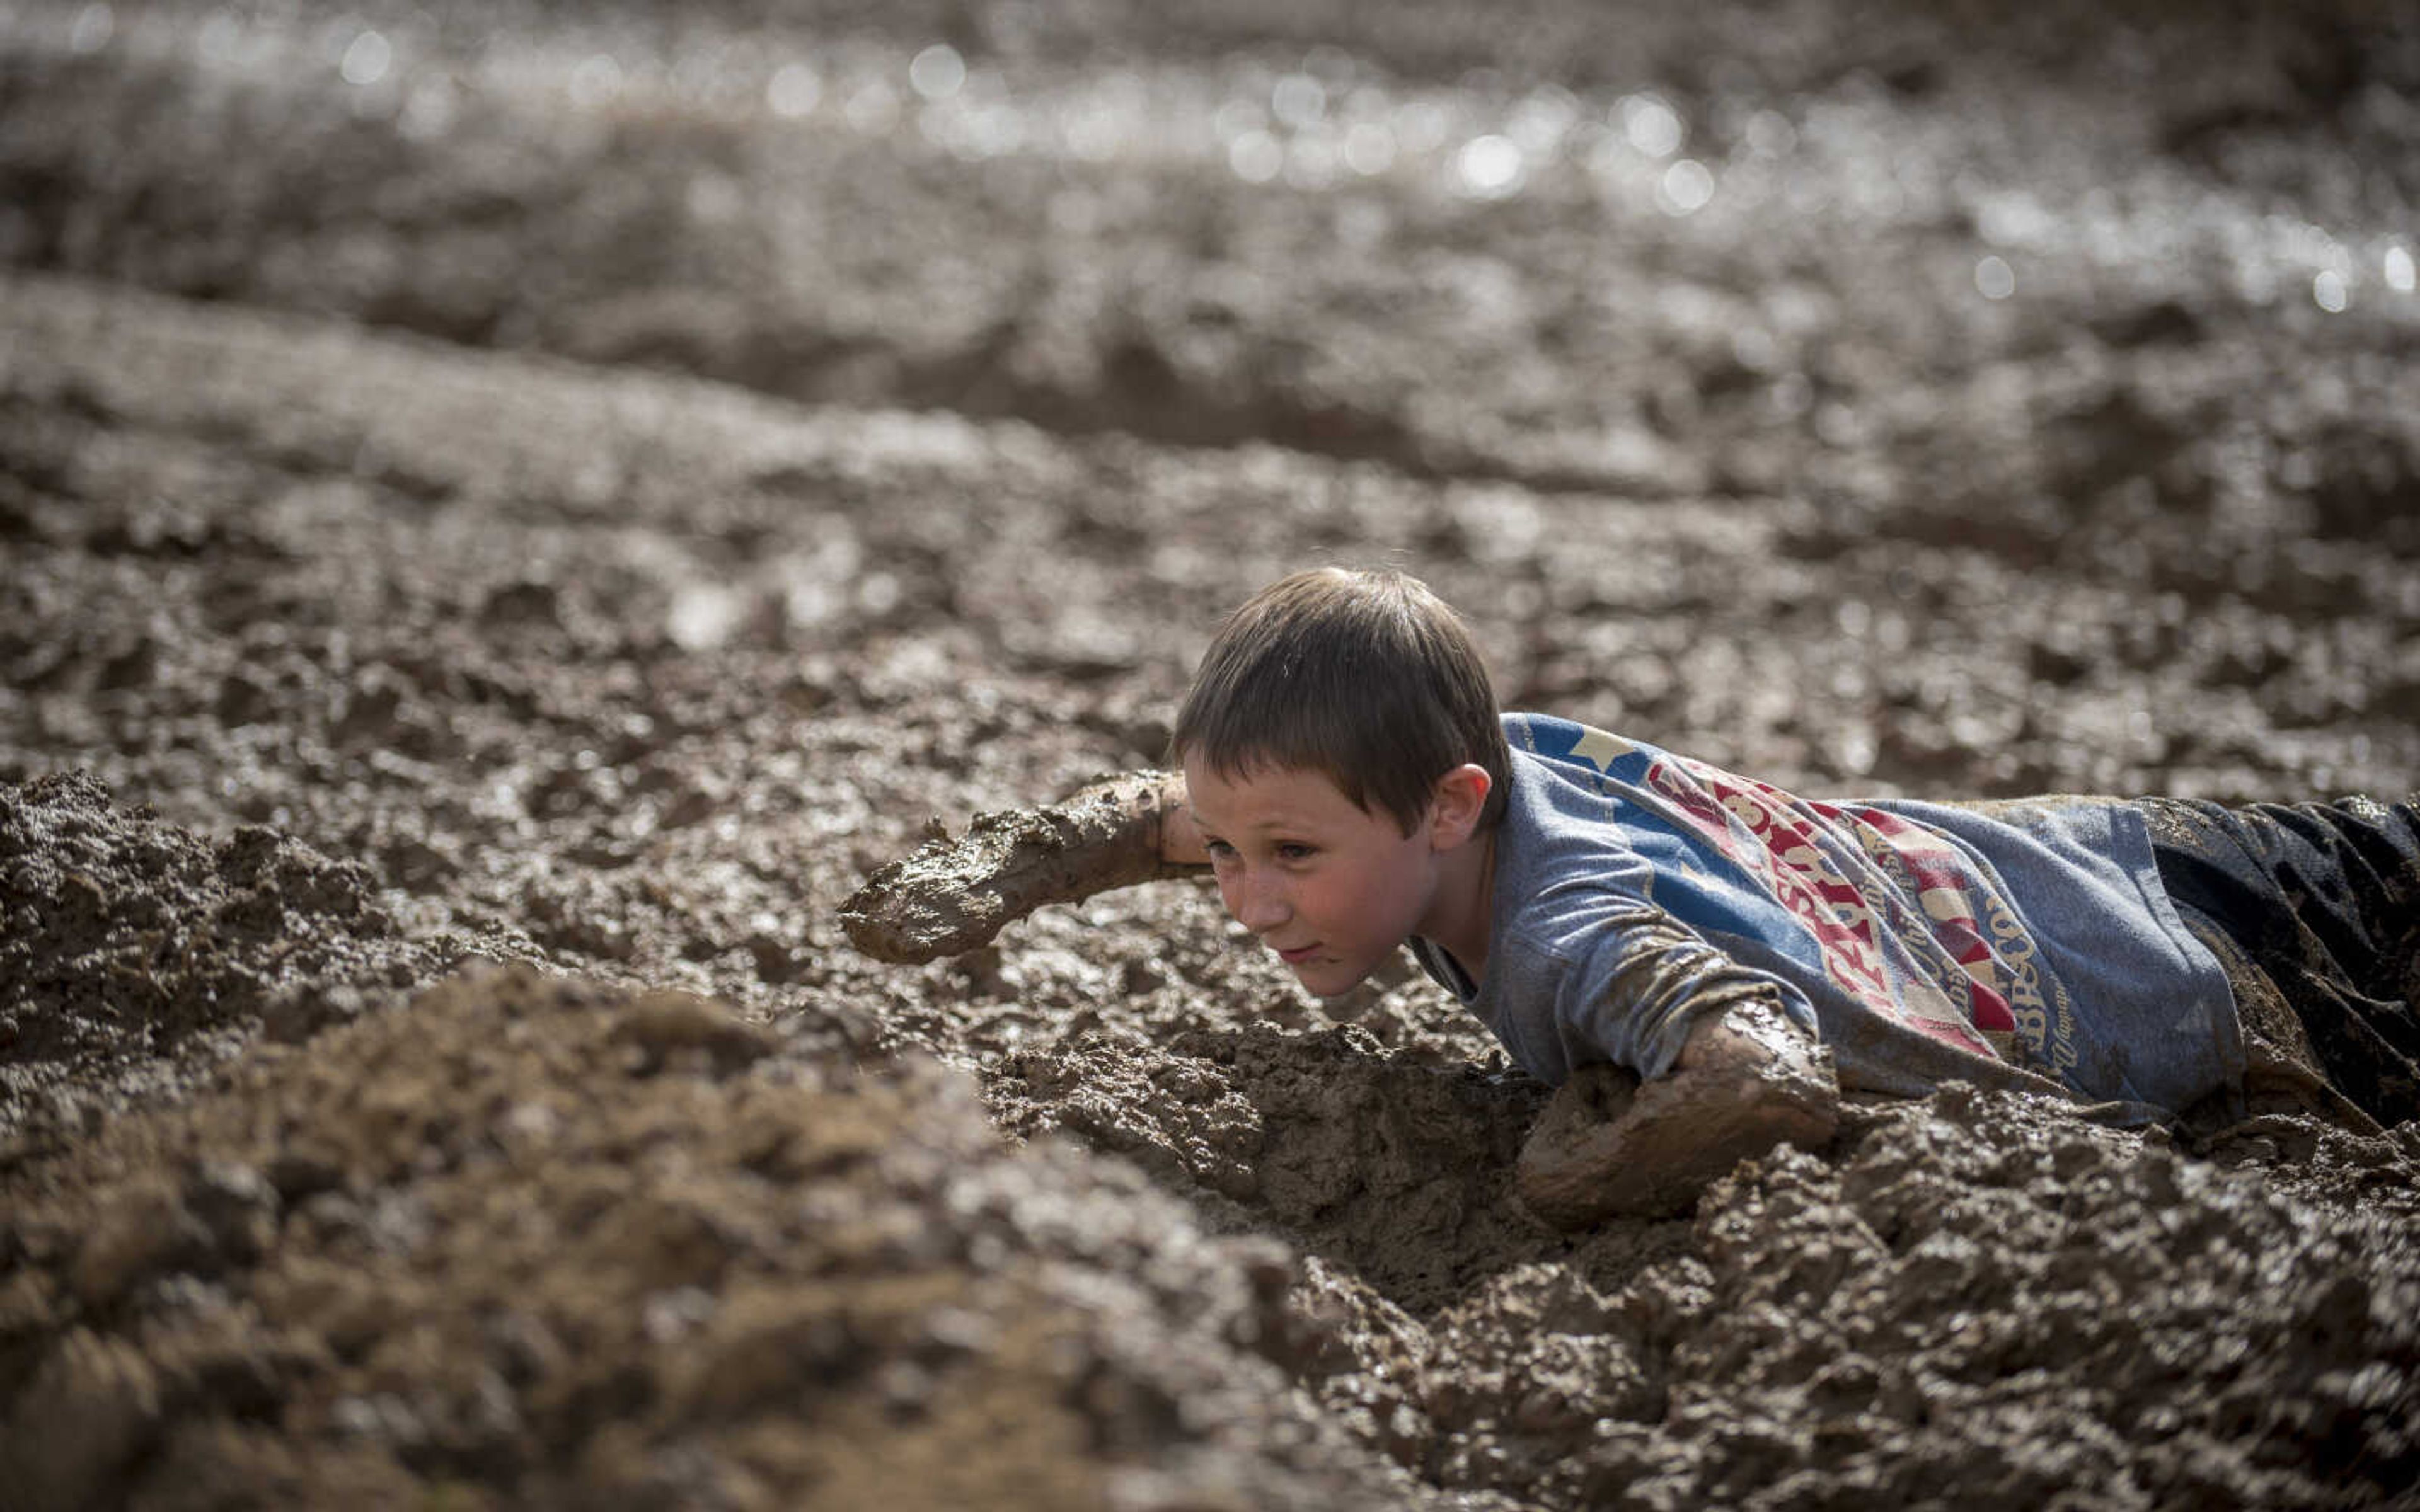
(1264, 793)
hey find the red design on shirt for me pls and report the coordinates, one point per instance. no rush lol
(1761, 831)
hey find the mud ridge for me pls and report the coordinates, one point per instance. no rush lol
(681, 1246)
(137, 954)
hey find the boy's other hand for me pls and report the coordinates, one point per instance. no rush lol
(1609, 1146)
(954, 894)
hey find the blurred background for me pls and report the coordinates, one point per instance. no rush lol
(1933, 301)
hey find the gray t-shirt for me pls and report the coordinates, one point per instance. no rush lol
(2031, 947)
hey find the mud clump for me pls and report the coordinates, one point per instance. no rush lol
(136, 952)
(534, 1242)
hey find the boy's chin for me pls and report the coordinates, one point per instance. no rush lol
(1326, 980)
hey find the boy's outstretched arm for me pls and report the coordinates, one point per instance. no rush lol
(1746, 1080)
(954, 894)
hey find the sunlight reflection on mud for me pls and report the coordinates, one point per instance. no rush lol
(1320, 122)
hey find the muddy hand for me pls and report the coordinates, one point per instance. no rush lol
(1609, 1146)
(954, 894)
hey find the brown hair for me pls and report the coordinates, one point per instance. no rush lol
(1360, 674)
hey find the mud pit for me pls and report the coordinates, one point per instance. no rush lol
(580, 490)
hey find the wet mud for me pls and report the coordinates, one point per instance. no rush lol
(509, 519)
(1612, 1146)
(138, 952)
(954, 893)
(527, 1243)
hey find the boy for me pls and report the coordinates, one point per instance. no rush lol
(1598, 902)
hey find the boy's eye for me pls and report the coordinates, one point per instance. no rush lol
(1219, 850)
(1294, 850)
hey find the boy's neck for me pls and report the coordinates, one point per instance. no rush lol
(1460, 918)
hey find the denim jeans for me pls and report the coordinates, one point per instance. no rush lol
(2323, 899)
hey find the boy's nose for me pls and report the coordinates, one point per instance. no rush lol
(1259, 904)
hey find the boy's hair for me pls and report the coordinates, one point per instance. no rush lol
(1360, 674)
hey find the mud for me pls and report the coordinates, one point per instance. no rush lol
(954, 893)
(583, 489)
(1610, 1145)
(528, 1242)
(137, 953)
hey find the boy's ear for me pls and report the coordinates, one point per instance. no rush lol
(1460, 798)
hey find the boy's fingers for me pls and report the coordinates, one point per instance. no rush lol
(1609, 1146)
(952, 895)
(926, 905)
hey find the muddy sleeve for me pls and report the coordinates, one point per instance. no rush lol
(1628, 982)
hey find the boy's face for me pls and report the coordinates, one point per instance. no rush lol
(1330, 886)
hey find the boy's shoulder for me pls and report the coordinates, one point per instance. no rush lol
(1552, 738)
(1609, 763)
(1573, 789)
(1620, 813)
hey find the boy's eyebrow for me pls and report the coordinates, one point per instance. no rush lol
(1193, 807)
(1202, 820)
(1207, 830)
(1275, 830)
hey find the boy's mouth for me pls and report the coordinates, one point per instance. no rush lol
(1297, 955)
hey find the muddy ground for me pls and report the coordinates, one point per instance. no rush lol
(509, 513)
